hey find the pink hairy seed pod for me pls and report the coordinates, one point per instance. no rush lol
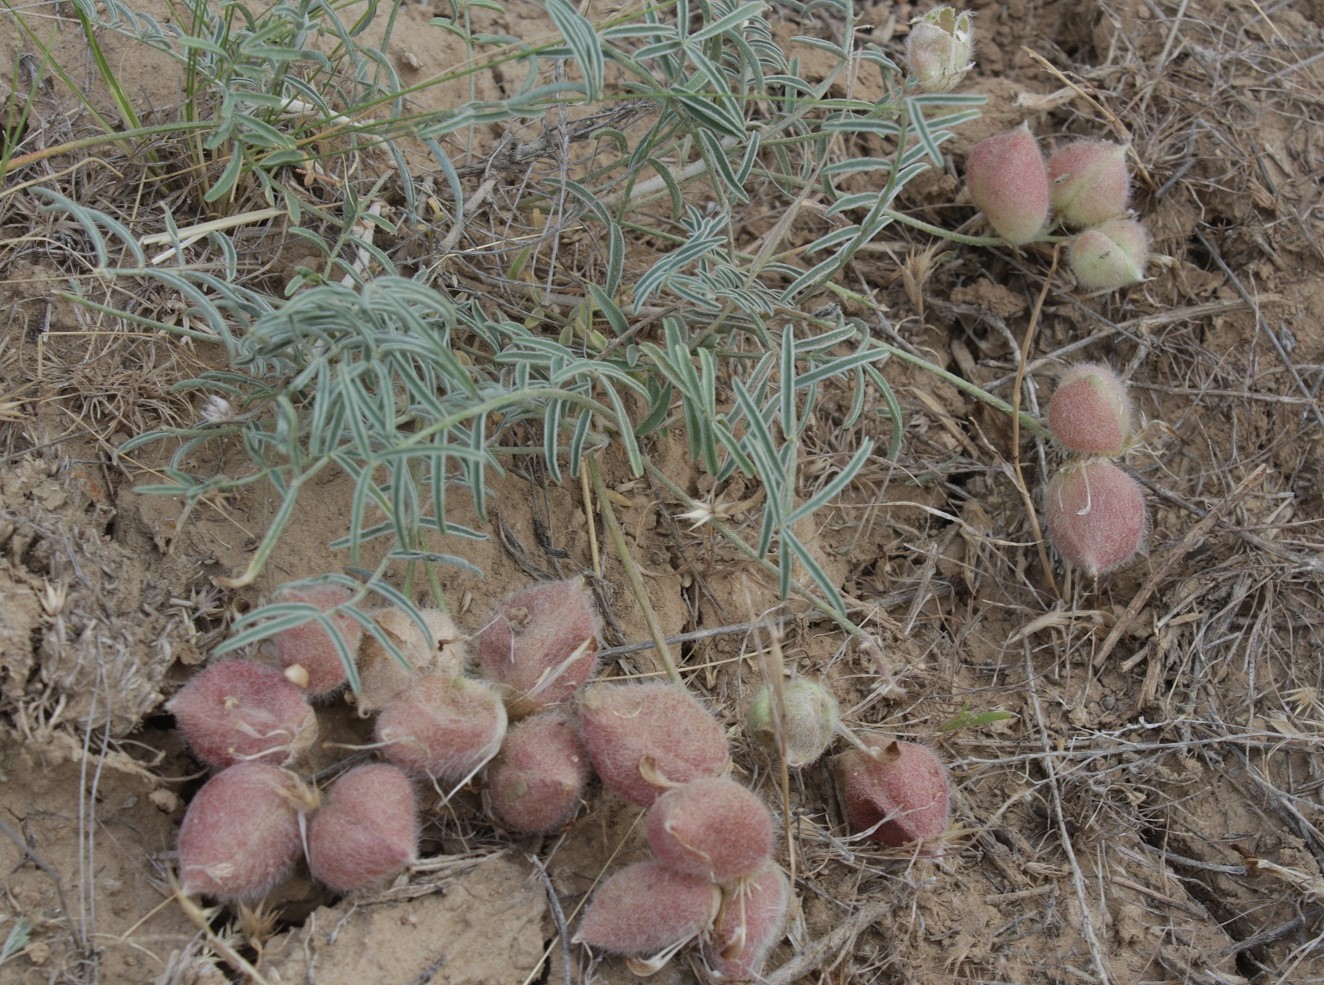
(382, 676)
(237, 710)
(1089, 182)
(540, 645)
(750, 922)
(1110, 255)
(1096, 516)
(1008, 182)
(307, 653)
(367, 831)
(443, 726)
(646, 909)
(536, 781)
(808, 722)
(899, 792)
(240, 835)
(711, 827)
(1090, 412)
(646, 738)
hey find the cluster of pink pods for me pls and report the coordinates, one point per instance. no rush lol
(1085, 185)
(530, 725)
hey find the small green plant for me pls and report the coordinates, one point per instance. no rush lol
(806, 719)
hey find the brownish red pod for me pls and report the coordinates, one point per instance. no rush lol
(241, 833)
(540, 645)
(647, 738)
(711, 827)
(535, 783)
(366, 830)
(896, 791)
(238, 710)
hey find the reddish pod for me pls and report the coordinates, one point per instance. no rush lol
(536, 781)
(382, 675)
(646, 909)
(1096, 516)
(750, 922)
(237, 710)
(711, 827)
(1008, 182)
(646, 738)
(1089, 182)
(240, 835)
(540, 645)
(366, 831)
(898, 792)
(307, 652)
(1090, 412)
(443, 726)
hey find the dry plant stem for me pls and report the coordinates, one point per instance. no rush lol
(739, 544)
(200, 918)
(1118, 126)
(831, 946)
(773, 664)
(558, 916)
(632, 572)
(1021, 487)
(1097, 952)
(1193, 536)
(1277, 344)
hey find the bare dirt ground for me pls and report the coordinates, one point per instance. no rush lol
(1149, 812)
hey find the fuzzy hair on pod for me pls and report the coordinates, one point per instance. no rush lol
(540, 646)
(237, 710)
(1090, 411)
(646, 909)
(240, 835)
(366, 831)
(1109, 255)
(645, 738)
(382, 676)
(809, 717)
(711, 827)
(1008, 182)
(750, 922)
(443, 726)
(899, 792)
(1089, 182)
(307, 653)
(536, 781)
(1096, 516)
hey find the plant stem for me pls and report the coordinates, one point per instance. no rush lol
(617, 536)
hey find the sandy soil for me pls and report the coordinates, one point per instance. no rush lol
(1149, 811)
